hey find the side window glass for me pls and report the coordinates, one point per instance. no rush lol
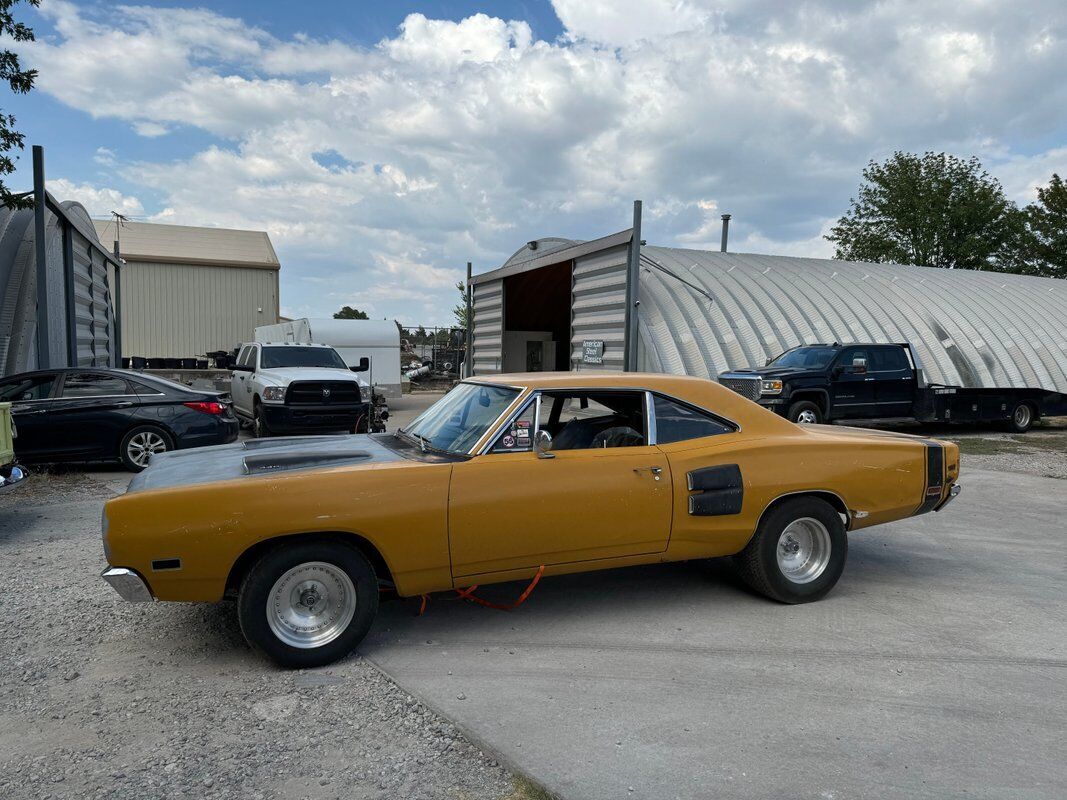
(586, 420)
(518, 436)
(896, 359)
(242, 357)
(678, 423)
(37, 387)
(94, 385)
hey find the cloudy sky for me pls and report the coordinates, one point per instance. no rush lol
(384, 144)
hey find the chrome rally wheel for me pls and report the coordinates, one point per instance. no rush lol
(311, 604)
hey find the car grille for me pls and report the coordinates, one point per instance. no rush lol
(319, 393)
(746, 387)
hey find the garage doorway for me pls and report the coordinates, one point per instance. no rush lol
(537, 320)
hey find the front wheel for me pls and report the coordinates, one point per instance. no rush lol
(308, 604)
(140, 443)
(805, 412)
(259, 423)
(797, 553)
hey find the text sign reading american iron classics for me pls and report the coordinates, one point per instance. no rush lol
(593, 351)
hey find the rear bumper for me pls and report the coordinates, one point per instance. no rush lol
(130, 586)
(226, 431)
(952, 492)
(302, 418)
(12, 475)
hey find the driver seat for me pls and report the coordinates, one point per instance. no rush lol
(620, 436)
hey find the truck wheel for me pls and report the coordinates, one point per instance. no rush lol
(259, 423)
(1022, 417)
(805, 412)
(797, 553)
(140, 443)
(308, 604)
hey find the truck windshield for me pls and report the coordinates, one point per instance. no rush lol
(807, 357)
(276, 357)
(460, 418)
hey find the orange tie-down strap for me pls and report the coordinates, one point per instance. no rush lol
(468, 594)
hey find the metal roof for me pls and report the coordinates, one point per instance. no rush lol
(705, 312)
(184, 244)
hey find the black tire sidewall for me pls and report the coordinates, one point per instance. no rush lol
(771, 529)
(259, 423)
(125, 442)
(801, 405)
(255, 592)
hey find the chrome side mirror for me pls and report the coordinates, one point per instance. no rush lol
(542, 444)
(859, 365)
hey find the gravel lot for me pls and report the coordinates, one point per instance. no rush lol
(101, 698)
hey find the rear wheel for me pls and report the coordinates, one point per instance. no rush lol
(797, 553)
(308, 604)
(140, 443)
(805, 412)
(1022, 417)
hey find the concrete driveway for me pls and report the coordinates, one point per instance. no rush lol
(937, 668)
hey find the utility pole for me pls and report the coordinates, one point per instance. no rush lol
(40, 208)
(468, 355)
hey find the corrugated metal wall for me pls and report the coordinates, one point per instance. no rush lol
(91, 344)
(968, 328)
(599, 306)
(180, 311)
(488, 326)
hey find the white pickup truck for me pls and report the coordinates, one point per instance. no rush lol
(299, 388)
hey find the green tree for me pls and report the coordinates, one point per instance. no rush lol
(459, 311)
(21, 81)
(350, 313)
(934, 210)
(1044, 244)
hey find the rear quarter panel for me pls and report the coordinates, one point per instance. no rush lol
(400, 508)
(884, 477)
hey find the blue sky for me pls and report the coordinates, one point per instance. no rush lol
(382, 145)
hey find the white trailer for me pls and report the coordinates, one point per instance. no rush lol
(378, 340)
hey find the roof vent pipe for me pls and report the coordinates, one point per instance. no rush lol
(532, 245)
(725, 231)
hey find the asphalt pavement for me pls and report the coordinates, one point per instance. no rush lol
(936, 668)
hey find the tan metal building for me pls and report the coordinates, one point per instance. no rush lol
(186, 291)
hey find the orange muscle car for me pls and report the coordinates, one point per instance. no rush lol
(502, 477)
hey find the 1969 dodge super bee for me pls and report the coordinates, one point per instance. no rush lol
(502, 479)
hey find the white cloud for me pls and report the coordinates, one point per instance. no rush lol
(458, 140)
(99, 202)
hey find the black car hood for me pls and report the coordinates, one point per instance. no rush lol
(771, 372)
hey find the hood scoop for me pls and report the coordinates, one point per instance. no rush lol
(267, 462)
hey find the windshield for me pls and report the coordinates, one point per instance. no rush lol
(460, 418)
(274, 357)
(807, 357)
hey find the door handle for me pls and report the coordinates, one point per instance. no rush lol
(124, 404)
(656, 471)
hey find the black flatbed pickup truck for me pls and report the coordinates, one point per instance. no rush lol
(826, 382)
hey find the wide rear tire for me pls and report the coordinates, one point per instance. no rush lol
(308, 604)
(797, 553)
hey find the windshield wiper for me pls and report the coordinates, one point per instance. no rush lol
(423, 442)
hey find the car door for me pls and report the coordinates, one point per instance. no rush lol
(93, 412)
(894, 382)
(31, 401)
(241, 382)
(709, 463)
(851, 387)
(510, 509)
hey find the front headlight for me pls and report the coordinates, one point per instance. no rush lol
(771, 387)
(274, 394)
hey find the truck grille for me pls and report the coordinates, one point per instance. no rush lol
(320, 393)
(746, 387)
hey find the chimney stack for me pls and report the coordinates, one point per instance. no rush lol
(725, 231)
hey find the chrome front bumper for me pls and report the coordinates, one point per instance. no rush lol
(952, 492)
(128, 584)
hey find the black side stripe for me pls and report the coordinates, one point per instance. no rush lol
(719, 491)
(935, 476)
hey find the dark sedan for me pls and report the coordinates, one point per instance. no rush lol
(109, 414)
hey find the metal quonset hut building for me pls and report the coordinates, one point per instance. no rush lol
(187, 291)
(700, 313)
(77, 314)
